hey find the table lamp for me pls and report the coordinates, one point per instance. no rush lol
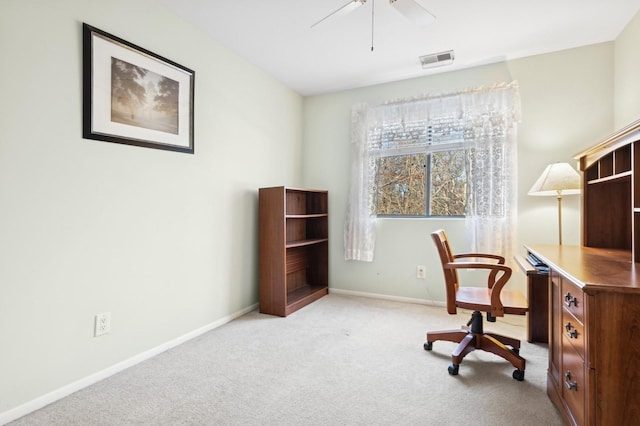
(557, 179)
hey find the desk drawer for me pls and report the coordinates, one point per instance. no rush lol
(573, 299)
(573, 332)
(572, 381)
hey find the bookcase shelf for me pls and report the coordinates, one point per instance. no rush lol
(612, 178)
(305, 216)
(294, 248)
(301, 243)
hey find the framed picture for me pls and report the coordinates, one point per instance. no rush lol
(133, 96)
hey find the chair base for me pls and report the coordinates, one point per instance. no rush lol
(473, 339)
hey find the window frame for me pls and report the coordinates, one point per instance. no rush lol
(428, 150)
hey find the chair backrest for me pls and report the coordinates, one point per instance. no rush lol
(450, 275)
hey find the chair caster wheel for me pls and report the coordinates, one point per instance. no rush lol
(518, 375)
(428, 346)
(453, 369)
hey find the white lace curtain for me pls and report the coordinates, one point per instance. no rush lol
(485, 119)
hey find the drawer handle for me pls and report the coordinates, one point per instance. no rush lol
(568, 383)
(572, 334)
(569, 299)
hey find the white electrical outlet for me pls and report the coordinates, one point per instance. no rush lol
(420, 272)
(103, 324)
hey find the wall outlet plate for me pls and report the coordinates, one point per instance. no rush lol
(421, 272)
(102, 324)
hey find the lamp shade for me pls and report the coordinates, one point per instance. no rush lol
(557, 178)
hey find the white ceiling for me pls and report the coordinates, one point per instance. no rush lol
(276, 35)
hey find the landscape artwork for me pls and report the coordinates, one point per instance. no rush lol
(135, 97)
(142, 98)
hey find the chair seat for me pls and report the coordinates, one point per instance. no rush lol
(479, 299)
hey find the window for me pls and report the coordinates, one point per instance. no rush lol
(444, 155)
(401, 189)
(448, 187)
(433, 184)
(430, 182)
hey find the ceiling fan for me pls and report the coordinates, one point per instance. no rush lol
(410, 9)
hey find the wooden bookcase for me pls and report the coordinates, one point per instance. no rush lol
(293, 248)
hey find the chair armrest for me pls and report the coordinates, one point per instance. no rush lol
(496, 282)
(497, 257)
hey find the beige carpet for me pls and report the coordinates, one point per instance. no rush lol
(342, 360)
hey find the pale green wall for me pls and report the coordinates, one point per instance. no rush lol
(167, 242)
(627, 67)
(567, 105)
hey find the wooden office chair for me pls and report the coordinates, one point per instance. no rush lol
(493, 299)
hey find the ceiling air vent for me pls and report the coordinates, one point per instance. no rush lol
(437, 59)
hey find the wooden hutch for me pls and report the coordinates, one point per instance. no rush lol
(594, 330)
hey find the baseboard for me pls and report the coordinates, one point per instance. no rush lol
(517, 320)
(36, 404)
(386, 297)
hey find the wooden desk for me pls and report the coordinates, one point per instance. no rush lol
(538, 297)
(594, 341)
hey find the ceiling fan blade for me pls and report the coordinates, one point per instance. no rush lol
(347, 8)
(413, 11)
